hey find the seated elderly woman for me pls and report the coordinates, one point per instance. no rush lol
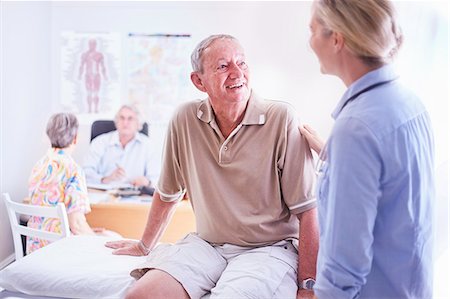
(55, 178)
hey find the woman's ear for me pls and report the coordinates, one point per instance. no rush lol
(75, 140)
(338, 41)
(195, 78)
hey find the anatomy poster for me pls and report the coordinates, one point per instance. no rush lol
(91, 73)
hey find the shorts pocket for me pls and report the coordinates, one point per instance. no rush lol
(159, 255)
(287, 254)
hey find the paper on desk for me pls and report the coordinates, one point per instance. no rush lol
(109, 186)
(97, 197)
(136, 199)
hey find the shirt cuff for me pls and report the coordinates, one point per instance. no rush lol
(303, 206)
(171, 197)
(92, 178)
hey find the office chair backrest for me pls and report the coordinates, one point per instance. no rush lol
(104, 126)
(14, 209)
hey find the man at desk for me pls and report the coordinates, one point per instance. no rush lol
(121, 156)
(248, 173)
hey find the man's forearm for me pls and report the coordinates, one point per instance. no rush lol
(308, 244)
(158, 218)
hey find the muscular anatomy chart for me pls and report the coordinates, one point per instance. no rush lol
(90, 72)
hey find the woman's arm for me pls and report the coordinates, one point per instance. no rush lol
(315, 142)
(78, 224)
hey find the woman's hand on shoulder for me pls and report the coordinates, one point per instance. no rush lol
(315, 142)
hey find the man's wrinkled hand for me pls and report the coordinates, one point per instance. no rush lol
(125, 247)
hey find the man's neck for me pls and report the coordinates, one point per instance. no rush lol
(229, 116)
(125, 139)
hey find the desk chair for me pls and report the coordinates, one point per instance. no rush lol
(14, 208)
(104, 126)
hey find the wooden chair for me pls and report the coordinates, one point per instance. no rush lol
(14, 209)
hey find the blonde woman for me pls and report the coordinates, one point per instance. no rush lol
(376, 181)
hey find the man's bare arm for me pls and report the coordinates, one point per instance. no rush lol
(308, 248)
(158, 218)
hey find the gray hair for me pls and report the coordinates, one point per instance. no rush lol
(381, 38)
(132, 108)
(197, 54)
(62, 129)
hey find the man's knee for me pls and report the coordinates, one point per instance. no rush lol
(156, 284)
(133, 293)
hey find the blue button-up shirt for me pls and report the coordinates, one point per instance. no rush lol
(106, 154)
(375, 193)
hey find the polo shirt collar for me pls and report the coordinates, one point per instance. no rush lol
(255, 113)
(384, 73)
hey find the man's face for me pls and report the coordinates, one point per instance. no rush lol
(127, 122)
(225, 76)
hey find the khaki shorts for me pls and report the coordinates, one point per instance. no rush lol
(227, 271)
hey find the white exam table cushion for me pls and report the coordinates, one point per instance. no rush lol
(73, 267)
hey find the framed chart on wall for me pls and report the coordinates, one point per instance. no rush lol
(158, 73)
(90, 73)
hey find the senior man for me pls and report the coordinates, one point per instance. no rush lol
(248, 173)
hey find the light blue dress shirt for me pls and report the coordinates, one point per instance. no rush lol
(106, 153)
(375, 194)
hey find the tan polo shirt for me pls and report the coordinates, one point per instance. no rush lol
(247, 189)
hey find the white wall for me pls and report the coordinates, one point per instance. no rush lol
(25, 98)
(274, 34)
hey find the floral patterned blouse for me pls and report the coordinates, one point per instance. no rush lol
(55, 178)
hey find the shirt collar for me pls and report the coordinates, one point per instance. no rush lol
(115, 138)
(56, 151)
(255, 113)
(384, 73)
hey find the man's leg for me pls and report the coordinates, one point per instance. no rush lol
(266, 272)
(192, 263)
(157, 284)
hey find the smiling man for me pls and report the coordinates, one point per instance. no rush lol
(248, 173)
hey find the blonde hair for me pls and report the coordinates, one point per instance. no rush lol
(369, 27)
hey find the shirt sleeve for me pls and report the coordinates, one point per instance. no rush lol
(171, 185)
(349, 193)
(92, 161)
(76, 196)
(297, 167)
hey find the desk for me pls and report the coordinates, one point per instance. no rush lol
(129, 217)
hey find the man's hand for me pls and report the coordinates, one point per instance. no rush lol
(117, 175)
(140, 181)
(125, 247)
